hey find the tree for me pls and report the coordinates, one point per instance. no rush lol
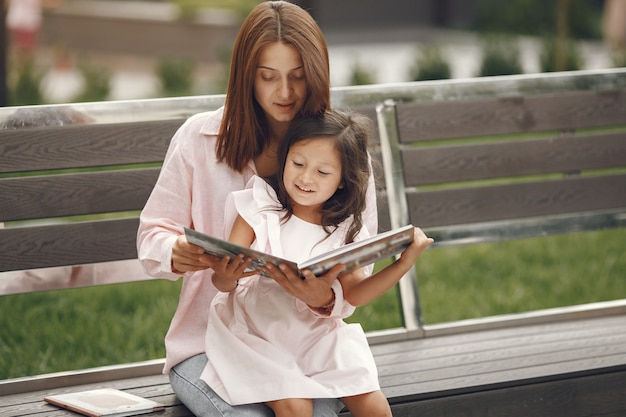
(3, 56)
(562, 34)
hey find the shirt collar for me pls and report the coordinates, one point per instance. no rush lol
(211, 126)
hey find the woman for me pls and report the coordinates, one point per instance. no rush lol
(279, 71)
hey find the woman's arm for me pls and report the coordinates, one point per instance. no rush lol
(159, 248)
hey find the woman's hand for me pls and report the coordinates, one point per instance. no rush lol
(313, 291)
(189, 257)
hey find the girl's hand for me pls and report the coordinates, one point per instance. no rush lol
(415, 249)
(313, 291)
(228, 272)
(189, 257)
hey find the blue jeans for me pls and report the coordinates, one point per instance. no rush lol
(202, 401)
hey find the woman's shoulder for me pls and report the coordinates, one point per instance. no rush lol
(193, 144)
(198, 131)
(206, 123)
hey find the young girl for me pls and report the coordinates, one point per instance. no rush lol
(266, 345)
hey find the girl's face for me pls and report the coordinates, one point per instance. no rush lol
(279, 85)
(312, 175)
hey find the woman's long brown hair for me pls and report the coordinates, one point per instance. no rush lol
(244, 131)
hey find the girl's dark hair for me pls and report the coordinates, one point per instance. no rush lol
(244, 132)
(350, 132)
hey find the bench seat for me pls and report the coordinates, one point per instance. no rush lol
(572, 365)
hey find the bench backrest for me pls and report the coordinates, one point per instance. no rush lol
(75, 184)
(73, 179)
(89, 176)
(510, 160)
(478, 168)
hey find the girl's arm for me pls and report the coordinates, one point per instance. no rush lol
(242, 233)
(359, 290)
(228, 272)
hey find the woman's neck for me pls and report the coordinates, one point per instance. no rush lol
(266, 162)
(277, 131)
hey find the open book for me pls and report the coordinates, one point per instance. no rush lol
(353, 256)
(105, 402)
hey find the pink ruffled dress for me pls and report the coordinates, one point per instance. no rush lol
(262, 343)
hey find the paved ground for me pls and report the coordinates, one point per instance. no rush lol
(386, 55)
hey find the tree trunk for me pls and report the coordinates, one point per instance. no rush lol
(562, 34)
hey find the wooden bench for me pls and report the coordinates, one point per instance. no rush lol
(497, 164)
(484, 167)
(567, 361)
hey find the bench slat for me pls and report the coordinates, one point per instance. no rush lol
(500, 343)
(508, 359)
(467, 118)
(454, 163)
(574, 396)
(49, 196)
(60, 147)
(501, 358)
(68, 244)
(517, 200)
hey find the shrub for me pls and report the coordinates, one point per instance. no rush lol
(175, 76)
(97, 82)
(501, 56)
(26, 89)
(548, 57)
(619, 58)
(430, 64)
(360, 75)
(220, 82)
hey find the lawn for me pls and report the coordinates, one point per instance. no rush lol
(78, 328)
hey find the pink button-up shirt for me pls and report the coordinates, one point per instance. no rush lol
(191, 191)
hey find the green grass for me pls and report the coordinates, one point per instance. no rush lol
(84, 327)
(516, 276)
(488, 279)
(78, 328)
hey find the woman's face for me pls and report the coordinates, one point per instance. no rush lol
(279, 85)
